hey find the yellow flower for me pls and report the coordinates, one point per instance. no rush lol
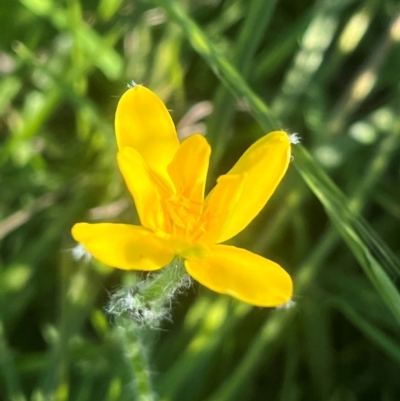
(167, 180)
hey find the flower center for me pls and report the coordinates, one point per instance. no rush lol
(183, 217)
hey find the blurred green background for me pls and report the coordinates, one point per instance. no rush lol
(232, 69)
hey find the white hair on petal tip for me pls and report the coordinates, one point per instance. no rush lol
(79, 252)
(294, 138)
(288, 305)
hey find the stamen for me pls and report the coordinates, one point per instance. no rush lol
(183, 216)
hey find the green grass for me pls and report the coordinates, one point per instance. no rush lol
(327, 70)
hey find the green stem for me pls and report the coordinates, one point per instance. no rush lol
(163, 287)
(137, 307)
(147, 302)
(135, 353)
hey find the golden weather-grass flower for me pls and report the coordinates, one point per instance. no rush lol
(167, 181)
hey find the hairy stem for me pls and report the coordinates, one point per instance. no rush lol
(135, 352)
(140, 306)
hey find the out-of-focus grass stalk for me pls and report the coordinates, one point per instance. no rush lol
(365, 80)
(79, 82)
(108, 8)
(53, 383)
(89, 51)
(291, 204)
(210, 322)
(57, 93)
(9, 372)
(314, 44)
(270, 59)
(376, 335)
(289, 389)
(218, 63)
(9, 88)
(377, 166)
(255, 24)
(20, 217)
(355, 231)
(97, 51)
(350, 37)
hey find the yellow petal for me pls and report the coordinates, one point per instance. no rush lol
(123, 246)
(143, 187)
(243, 275)
(220, 204)
(264, 165)
(143, 123)
(188, 169)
